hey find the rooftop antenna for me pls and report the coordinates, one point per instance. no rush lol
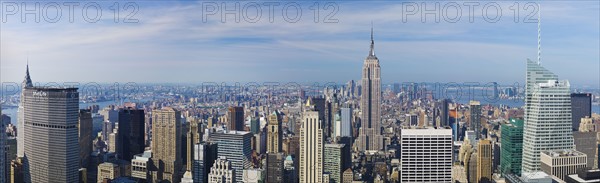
(539, 60)
(372, 52)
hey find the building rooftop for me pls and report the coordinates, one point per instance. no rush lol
(426, 131)
(52, 88)
(334, 145)
(563, 153)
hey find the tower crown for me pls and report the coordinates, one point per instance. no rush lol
(27, 81)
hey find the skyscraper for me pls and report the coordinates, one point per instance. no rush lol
(274, 143)
(370, 137)
(346, 122)
(275, 169)
(255, 125)
(333, 155)
(512, 147)
(475, 108)
(27, 83)
(131, 133)
(547, 115)
(192, 138)
(585, 142)
(205, 154)
(274, 133)
(85, 137)
(318, 104)
(472, 170)
(445, 113)
(236, 119)
(166, 144)
(236, 147)
(484, 161)
(311, 148)
(581, 106)
(418, 146)
(51, 151)
(3, 159)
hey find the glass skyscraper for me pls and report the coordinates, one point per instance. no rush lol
(236, 147)
(547, 115)
(512, 147)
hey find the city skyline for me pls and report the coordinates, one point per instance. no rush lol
(173, 45)
(183, 91)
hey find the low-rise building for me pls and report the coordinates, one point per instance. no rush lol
(560, 163)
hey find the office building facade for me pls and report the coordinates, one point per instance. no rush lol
(51, 143)
(274, 133)
(131, 133)
(333, 155)
(560, 163)
(275, 171)
(484, 161)
(417, 148)
(475, 110)
(311, 148)
(511, 150)
(166, 145)
(205, 154)
(85, 127)
(235, 146)
(236, 118)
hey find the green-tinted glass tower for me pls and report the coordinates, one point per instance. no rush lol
(511, 150)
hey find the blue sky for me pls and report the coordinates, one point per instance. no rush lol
(172, 43)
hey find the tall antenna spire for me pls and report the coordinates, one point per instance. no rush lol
(371, 31)
(372, 52)
(539, 59)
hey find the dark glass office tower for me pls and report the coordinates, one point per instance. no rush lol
(131, 133)
(236, 118)
(581, 106)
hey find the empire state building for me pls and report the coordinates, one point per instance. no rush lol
(370, 138)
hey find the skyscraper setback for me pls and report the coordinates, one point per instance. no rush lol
(51, 144)
(370, 103)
